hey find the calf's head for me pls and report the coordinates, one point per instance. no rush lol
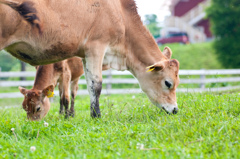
(160, 81)
(36, 102)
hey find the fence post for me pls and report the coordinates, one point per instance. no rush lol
(23, 69)
(51, 100)
(202, 77)
(109, 77)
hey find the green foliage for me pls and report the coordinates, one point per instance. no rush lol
(195, 56)
(224, 16)
(7, 61)
(207, 126)
(152, 25)
(10, 63)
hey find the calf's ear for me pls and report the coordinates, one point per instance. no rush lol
(48, 91)
(167, 52)
(156, 67)
(22, 90)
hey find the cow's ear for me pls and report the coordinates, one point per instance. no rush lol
(22, 90)
(48, 91)
(156, 67)
(167, 52)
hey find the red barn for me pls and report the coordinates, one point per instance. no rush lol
(189, 16)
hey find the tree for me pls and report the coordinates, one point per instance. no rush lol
(152, 24)
(7, 61)
(225, 25)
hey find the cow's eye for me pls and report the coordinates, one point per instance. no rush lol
(168, 84)
(38, 109)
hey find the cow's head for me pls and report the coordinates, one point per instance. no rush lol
(36, 102)
(160, 81)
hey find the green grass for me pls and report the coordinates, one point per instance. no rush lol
(207, 126)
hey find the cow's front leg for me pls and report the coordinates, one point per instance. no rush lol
(94, 85)
(93, 73)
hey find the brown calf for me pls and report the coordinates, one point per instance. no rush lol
(36, 102)
(102, 32)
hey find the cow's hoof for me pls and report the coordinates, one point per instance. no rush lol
(67, 113)
(66, 116)
(61, 111)
(72, 114)
(95, 115)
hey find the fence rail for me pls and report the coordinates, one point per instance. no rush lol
(109, 80)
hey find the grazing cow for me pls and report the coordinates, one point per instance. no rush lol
(36, 102)
(102, 32)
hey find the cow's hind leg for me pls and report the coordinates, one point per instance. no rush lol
(93, 73)
(74, 88)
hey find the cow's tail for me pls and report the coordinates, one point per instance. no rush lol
(26, 10)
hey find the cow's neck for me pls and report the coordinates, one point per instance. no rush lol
(141, 47)
(44, 77)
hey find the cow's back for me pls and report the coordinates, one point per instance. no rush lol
(81, 21)
(67, 29)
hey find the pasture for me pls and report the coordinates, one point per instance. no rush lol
(207, 126)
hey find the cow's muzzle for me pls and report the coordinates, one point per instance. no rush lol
(169, 108)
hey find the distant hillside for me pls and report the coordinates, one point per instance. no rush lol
(195, 56)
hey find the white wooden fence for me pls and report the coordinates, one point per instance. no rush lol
(234, 76)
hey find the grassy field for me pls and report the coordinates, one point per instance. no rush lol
(207, 126)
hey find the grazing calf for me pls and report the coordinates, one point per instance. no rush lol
(36, 102)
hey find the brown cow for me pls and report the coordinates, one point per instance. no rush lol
(102, 32)
(36, 102)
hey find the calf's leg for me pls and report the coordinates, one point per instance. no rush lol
(60, 88)
(74, 88)
(65, 92)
